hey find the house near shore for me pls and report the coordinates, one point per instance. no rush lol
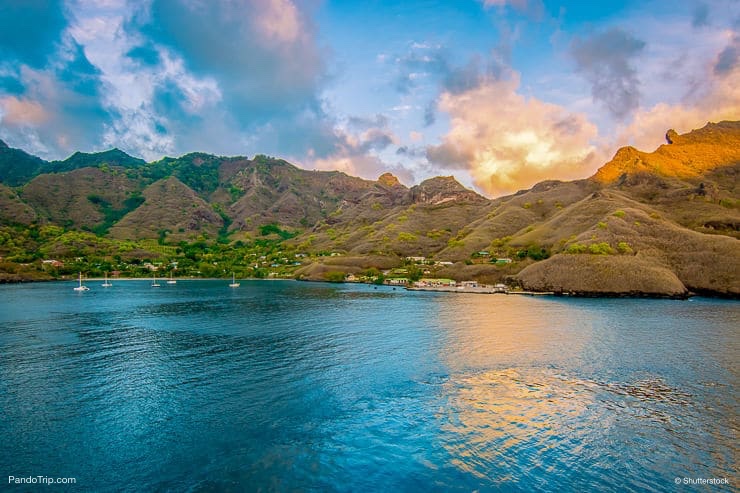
(397, 281)
(469, 284)
(435, 283)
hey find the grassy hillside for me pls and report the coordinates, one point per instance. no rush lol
(661, 223)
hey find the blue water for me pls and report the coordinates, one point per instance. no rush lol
(288, 386)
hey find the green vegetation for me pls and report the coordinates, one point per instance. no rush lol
(23, 250)
(334, 276)
(112, 215)
(602, 248)
(273, 228)
(534, 252)
(407, 237)
(624, 248)
(576, 248)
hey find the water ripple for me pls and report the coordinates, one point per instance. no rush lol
(294, 386)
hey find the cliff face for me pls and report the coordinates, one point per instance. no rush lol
(684, 156)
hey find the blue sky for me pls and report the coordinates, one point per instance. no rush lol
(499, 93)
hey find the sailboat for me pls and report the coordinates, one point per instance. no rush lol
(170, 280)
(106, 284)
(155, 284)
(81, 287)
(233, 284)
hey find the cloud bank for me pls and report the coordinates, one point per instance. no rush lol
(507, 141)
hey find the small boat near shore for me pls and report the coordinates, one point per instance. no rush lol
(233, 284)
(81, 286)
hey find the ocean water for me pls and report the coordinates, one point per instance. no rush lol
(289, 386)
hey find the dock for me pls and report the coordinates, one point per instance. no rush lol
(477, 290)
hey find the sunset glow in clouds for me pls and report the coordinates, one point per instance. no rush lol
(502, 94)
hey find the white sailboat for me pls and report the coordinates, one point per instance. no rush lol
(106, 284)
(81, 287)
(233, 284)
(170, 280)
(155, 284)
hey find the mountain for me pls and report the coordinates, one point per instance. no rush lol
(660, 224)
(17, 166)
(112, 157)
(669, 216)
(169, 209)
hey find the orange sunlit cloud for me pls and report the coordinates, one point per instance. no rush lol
(16, 111)
(508, 142)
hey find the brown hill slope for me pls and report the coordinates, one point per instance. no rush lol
(78, 198)
(674, 210)
(171, 207)
(685, 156)
(12, 209)
(400, 221)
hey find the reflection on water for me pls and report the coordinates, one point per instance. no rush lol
(292, 386)
(564, 389)
(560, 427)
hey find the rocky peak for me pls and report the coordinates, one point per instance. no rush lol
(442, 189)
(389, 180)
(685, 156)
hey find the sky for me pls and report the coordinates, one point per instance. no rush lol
(501, 94)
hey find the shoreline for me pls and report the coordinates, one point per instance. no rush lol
(479, 290)
(438, 289)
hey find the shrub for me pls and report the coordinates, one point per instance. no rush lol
(619, 214)
(602, 248)
(408, 237)
(624, 247)
(601, 225)
(334, 276)
(576, 248)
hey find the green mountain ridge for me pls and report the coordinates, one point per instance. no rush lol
(659, 224)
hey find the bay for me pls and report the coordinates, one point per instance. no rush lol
(289, 386)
